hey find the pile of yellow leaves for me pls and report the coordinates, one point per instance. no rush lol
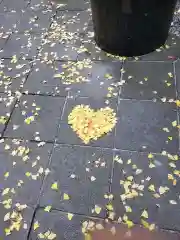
(90, 124)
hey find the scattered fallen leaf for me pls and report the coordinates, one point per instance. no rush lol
(54, 186)
(66, 196)
(144, 214)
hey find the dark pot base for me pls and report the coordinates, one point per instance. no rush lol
(127, 51)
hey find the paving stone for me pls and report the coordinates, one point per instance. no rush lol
(71, 23)
(65, 229)
(9, 21)
(66, 134)
(149, 173)
(35, 21)
(59, 224)
(82, 173)
(140, 126)
(8, 5)
(21, 45)
(102, 80)
(55, 50)
(168, 217)
(148, 80)
(41, 80)
(23, 166)
(26, 214)
(7, 103)
(13, 74)
(35, 118)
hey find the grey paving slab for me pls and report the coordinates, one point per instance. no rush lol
(23, 226)
(142, 126)
(59, 50)
(149, 177)
(13, 74)
(42, 79)
(148, 80)
(35, 118)
(21, 45)
(101, 80)
(8, 5)
(71, 22)
(83, 173)
(23, 166)
(67, 135)
(9, 21)
(7, 103)
(58, 224)
(35, 21)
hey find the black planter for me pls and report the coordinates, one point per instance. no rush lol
(131, 27)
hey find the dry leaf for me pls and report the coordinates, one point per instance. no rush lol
(66, 196)
(144, 214)
(97, 209)
(70, 216)
(54, 186)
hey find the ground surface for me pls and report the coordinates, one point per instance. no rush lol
(53, 185)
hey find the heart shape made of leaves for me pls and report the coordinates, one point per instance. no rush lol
(90, 124)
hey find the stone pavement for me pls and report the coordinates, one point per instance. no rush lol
(52, 184)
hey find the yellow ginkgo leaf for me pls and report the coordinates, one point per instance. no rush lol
(151, 188)
(97, 209)
(170, 74)
(51, 236)
(128, 209)
(174, 123)
(7, 231)
(163, 190)
(129, 223)
(6, 175)
(152, 227)
(5, 191)
(144, 214)
(41, 236)
(66, 196)
(88, 236)
(144, 223)
(70, 216)
(47, 208)
(151, 165)
(109, 207)
(150, 155)
(57, 75)
(36, 225)
(173, 202)
(54, 186)
(172, 165)
(7, 216)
